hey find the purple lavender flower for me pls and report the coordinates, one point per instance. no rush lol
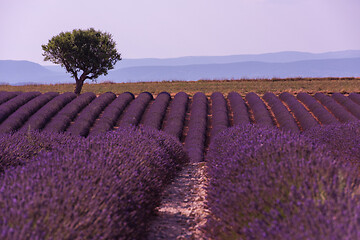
(101, 187)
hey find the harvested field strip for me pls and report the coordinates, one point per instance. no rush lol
(244, 86)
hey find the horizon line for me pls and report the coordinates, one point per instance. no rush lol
(196, 56)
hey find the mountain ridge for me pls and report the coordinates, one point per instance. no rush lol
(309, 68)
(220, 67)
(280, 57)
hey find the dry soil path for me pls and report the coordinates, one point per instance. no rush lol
(182, 211)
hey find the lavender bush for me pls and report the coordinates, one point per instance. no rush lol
(88, 115)
(282, 115)
(351, 106)
(6, 96)
(102, 187)
(261, 180)
(111, 113)
(333, 217)
(220, 119)
(10, 106)
(157, 110)
(20, 147)
(261, 113)
(341, 140)
(174, 121)
(196, 135)
(335, 108)
(135, 110)
(323, 115)
(62, 119)
(355, 97)
(306, 120)
(38, 120)
(239, 109)
(21, 115)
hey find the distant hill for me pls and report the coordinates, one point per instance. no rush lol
(25, 72)
(349, 67)
(280, 65)
(279, 57)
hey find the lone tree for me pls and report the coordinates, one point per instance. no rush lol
(85, 54)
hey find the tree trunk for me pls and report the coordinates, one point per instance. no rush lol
(79, 84)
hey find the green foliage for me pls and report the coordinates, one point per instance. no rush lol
(85, 54)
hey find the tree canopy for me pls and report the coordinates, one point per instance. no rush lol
(85, 54)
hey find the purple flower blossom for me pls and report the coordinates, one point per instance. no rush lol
(239, 109)
(305, 119)
(111, 114)
(21, 115)
(13, 104)
(174, 121)
(261, 113)
(38, 120)
(154, 116)
(282, 115)
(62, 119)
(6, 96)
(101, 187)
(89, 114)
(196, 135)
(135, 110)
(265, 183)
(220, 119)
(323, 115)
(335, 108)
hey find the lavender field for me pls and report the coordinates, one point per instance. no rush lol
(93, 167)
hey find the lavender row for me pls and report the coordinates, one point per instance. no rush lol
(261, 113)
(323, 115)
(22, 114)
(38, 120)
(13, 104)
(355, 97)
(134, 112)
(341, 140)
(157, 110)
(20, 147)
(111, 113)
(306, 120)
(282, 115)
(220, 119)
(335, 214)
(103, 187)
(351, 106)
(281, 185)
(6, 96)
(196, 135)
(176, 117)
(335, 108)
(88, 115)
(239, 109)
(62, 119)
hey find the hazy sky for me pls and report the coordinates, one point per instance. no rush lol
(174, 28)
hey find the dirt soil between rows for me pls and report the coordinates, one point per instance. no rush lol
(182, 212)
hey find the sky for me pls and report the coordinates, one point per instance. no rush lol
(176, 28)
